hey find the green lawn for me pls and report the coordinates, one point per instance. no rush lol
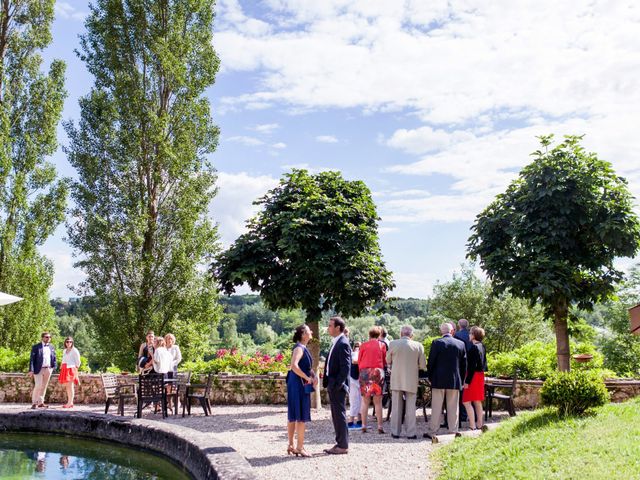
(540, 445)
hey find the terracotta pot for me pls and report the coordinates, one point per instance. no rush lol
(583, 357)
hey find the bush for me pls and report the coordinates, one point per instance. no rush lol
(231, 361)
(535, 360)
(573, 393)
(11, 361)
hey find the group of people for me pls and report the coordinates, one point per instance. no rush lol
(159, 354)
(457, 362)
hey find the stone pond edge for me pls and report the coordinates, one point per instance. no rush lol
(201, 455)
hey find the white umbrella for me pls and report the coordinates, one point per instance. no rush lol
(6, 299)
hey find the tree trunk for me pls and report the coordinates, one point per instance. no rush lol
(313, 321)
(562, 335)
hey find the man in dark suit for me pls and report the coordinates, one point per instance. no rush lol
(446, 369)
(42, 363)
(336, 381)
(463, 332)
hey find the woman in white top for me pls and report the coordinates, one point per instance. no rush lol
(174, 350)
(69, 370)
(162, 359)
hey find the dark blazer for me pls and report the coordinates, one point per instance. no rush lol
(338, 366)
(463, 335)
(35, 360)
(447, 364)
(476, 360)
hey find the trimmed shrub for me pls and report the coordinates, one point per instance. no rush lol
(573, 393)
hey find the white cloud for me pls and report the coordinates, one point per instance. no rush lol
(449, 62)
(279, 145)
(244, 140)
(67, 11)
(265, 128)
(326, 139)
(233, 205)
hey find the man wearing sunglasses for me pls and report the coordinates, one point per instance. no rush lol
(41, 365)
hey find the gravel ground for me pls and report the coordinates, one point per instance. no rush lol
(258, 432)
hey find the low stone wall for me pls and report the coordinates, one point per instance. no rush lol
(248, 389)
(528, 391)
(226, 389)
(200, 454)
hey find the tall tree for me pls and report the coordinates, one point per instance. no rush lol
(32, 198)
(314, 245)
(144, 182)
(508, 321)
(553, 236)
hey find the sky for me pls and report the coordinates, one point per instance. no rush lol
(435, 105)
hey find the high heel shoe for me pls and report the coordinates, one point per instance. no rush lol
(291, 450)
(303, 453)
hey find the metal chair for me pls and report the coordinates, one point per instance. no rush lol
(178, 390)
(114, 391)
(491, 394)
(200, 392)
(151, 388)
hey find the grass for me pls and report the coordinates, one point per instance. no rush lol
(541, 445)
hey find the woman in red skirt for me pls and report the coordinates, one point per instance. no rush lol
(473, 392)
(69, 370)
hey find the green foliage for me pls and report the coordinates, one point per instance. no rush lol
(573, 393)
(314, 245)
(537, 360)
(552, 237)
(140, 221)
(534, 360)
(11, 361)
(32, 199)
(508, 322)
(620, 348)
(541, 444)
(427, 344)
(231, 361)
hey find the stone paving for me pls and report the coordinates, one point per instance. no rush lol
(258, 433)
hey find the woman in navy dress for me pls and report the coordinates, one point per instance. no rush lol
(300, 381)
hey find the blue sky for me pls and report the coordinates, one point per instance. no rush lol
(434, 104)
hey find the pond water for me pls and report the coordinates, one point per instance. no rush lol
(53, 457)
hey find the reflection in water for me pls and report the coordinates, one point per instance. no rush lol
(24, 456)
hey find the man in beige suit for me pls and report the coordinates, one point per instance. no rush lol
(406, 357)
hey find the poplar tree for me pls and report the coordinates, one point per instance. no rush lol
(139, 225)
(32, 197)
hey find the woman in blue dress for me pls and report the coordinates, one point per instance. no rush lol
(300, 382)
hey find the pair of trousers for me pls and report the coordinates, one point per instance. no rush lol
(406, 405)
(354, 397)
(41, 380)
(338, 401)
(438, 398)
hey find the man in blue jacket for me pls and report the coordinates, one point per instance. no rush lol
(42, 363)
(446, 369)
(336, 381)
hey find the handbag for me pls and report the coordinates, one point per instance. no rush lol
(309, 388)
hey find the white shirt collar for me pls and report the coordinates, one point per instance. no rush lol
(335, 339)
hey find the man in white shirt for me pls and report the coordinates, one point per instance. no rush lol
(42, 363)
